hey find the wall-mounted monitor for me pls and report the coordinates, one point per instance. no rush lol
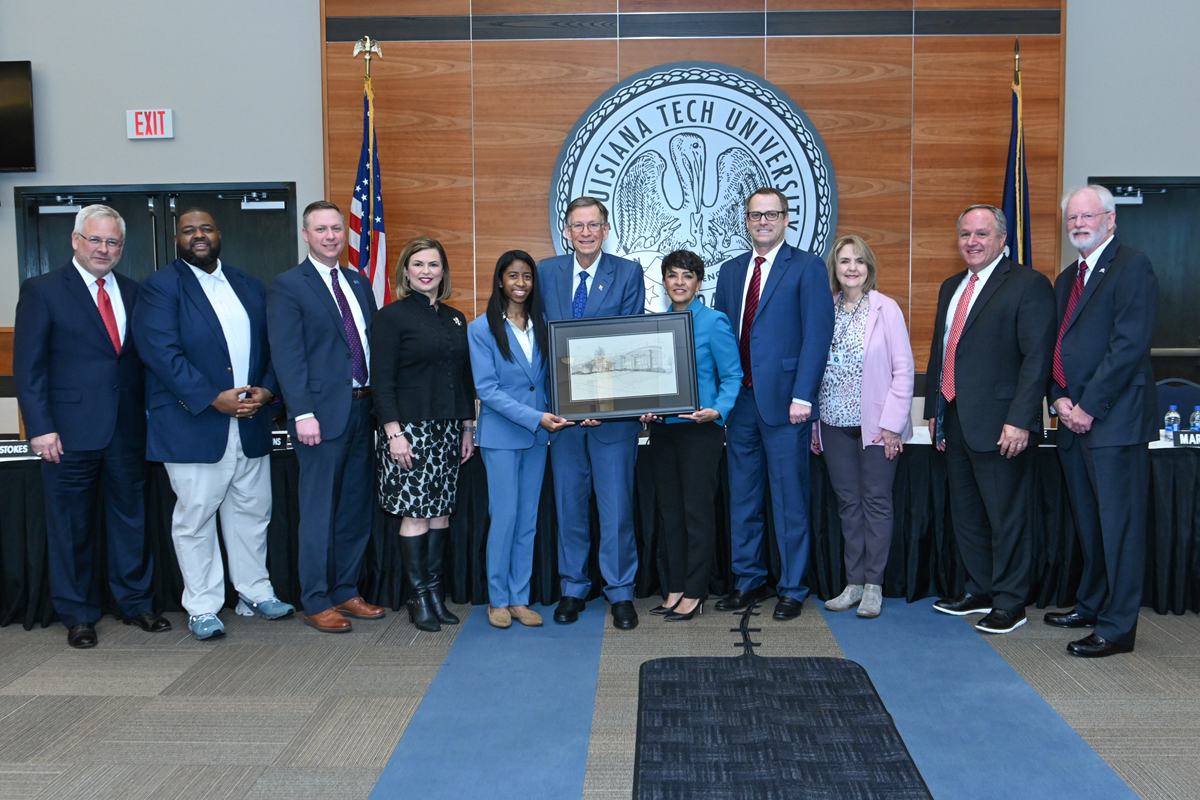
(16, 117)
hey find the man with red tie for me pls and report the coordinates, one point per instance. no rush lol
(988, 365)
(80, 387)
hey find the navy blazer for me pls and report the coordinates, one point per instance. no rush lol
(70, 379)
(789, 340)
(512, 394)
(187, 366)
(309, 348)
(1106, 347)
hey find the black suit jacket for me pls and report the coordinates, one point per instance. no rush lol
(1106, 347)
(70, 379)
(1003, 356)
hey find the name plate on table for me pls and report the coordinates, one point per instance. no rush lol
(15, 449)
(280, 440)
(1186, 438)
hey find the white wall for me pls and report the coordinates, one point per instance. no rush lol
(1133, 68)
(242, 76)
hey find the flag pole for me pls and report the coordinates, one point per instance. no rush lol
(366, 45)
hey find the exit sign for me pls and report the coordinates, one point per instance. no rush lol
(155, 123)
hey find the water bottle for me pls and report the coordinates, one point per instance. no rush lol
(1171, 421)
(1194, 422)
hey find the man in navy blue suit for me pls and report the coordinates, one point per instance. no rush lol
(782, 314)
(593, 456)
(80, 387)
(318, 315)
(202, 326)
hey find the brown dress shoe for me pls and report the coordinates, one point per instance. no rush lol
(357, 607)
(499, 617)
(525, 615)
(328, 621)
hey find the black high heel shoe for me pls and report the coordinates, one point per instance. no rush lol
(663, 609)
(697, 609)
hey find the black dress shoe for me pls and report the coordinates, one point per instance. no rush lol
(624, 615)
(967, 604)
(82, 635)
(568, 610)
(1001, 621)
(737, 599)
(149, 622)
(1070, 619)
(1095, 647)
(788, 608)
(663, 609)
(684, 617)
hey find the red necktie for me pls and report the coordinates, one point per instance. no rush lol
(748, 312)
(106, 313)
(1060, 377)
(960, 319)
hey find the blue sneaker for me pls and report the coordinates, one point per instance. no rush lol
(271, 608)
(206, 626)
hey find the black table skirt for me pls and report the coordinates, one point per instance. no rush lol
(923, 562)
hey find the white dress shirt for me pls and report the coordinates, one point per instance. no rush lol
(579, 270)
(114, 294)
(235, 322)
(1093, 258)
(951, 309)
(524, 338)
(355, 311)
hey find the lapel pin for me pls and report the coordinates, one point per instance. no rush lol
(458, 321)
(602, 286)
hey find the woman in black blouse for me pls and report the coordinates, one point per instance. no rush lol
(425, 405)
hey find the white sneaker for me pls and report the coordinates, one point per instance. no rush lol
(849, 597)
(872, 601)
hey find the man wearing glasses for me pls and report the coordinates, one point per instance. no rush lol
(593, 456)
(81, 392)
(1102, 389)
(780, 306)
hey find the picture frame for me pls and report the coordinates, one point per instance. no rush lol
(623, 367)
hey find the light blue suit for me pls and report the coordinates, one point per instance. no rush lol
(512, 396)
(718, 363)
(617, 288)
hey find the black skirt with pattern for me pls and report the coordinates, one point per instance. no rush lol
(429, 488)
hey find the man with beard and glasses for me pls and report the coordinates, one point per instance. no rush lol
(202, 329)
(1102, 389)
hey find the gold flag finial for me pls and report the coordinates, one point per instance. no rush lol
(368, 46)
(1017, 60)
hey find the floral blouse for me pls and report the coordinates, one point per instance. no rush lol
(841, 387)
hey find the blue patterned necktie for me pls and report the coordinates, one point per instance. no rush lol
(358, 359)
(580, 300)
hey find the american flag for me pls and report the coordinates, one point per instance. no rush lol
(368, 245)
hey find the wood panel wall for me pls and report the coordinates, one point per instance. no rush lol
(917, 127)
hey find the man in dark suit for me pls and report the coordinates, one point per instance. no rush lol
(988, 365)
(318, 315)
(1103, 392)
(782, 313)
(81, 391)
(592, 283)
(202, 326)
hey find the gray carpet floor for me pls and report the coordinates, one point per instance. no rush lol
(277, 710)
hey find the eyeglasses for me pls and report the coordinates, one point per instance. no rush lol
(1085, 218)
(771, 216)
(591, 227)
(96, 241)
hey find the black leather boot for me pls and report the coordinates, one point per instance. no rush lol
(416, 571)
(437, 552)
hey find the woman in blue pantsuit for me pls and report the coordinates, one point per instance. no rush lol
(508, 360)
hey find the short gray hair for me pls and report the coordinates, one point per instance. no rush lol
(1001, 222)
(1103, 195)
(97, 210)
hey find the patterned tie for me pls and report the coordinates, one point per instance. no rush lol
(580, 299)
(1060, 377)
(751, 307)
(106, 313)
(960, 319)
(358, 360)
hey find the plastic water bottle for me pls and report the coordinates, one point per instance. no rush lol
(1171, 421)
(1194, 422)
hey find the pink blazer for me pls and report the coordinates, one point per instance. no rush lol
(887, 383)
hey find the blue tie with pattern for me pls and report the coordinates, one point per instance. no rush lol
(580, 300)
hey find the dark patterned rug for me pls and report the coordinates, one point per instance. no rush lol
(767, 729)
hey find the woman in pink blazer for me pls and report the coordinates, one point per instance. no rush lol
(865, 409)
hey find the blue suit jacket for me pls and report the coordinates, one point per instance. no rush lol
(512, 394)
(616, 289)
(70, 379)
(309, 348)
(718, 365)
(187, 366)
(789, 340)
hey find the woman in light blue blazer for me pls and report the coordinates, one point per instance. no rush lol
(686, 451)
(508, 361)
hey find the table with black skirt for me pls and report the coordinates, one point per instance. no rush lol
(923, 561)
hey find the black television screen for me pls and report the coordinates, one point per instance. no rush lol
(16, 117)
